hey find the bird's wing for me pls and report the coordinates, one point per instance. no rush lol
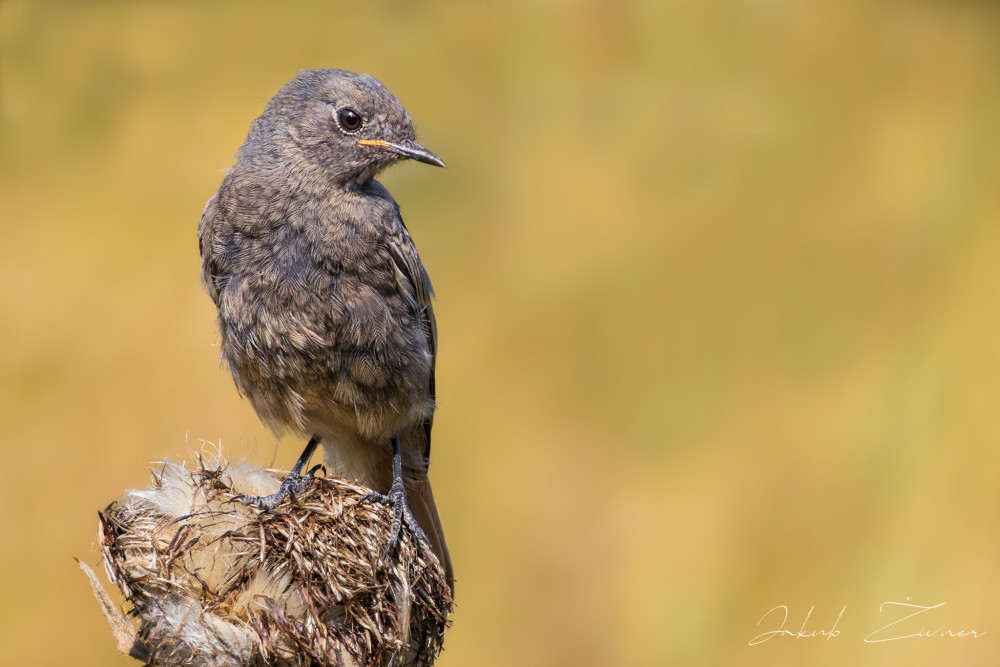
(416, 441)
(405, 256)
(207, 229)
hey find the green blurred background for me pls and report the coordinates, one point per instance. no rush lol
(717, 295)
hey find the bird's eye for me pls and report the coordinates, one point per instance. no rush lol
(349, 119)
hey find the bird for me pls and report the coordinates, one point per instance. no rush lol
(324, 306)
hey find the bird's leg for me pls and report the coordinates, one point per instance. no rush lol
(293, 484)
(397, 498)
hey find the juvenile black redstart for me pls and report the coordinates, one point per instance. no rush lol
(324, 307)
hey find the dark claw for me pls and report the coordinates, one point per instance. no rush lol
(400, 513)
(293, 484)
(400, 509)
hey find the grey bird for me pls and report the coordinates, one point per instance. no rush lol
(325, 313)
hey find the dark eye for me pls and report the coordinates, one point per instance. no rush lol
(349, 119)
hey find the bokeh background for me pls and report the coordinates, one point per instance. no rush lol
(717, 295)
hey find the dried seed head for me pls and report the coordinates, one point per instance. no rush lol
(217, 583)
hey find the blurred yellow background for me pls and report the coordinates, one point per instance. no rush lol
(718, 298)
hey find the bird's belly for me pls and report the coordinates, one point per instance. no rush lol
(344, 358)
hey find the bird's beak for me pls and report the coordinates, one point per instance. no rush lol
(406, 148)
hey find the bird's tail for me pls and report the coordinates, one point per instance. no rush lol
(414, 446)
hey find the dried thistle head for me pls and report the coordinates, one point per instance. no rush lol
(218, 583)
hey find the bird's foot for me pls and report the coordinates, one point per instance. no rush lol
(400, 513)
(293, 485)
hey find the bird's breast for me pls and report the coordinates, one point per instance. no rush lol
(318, 332)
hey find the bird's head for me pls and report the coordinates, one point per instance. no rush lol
(347, 126)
